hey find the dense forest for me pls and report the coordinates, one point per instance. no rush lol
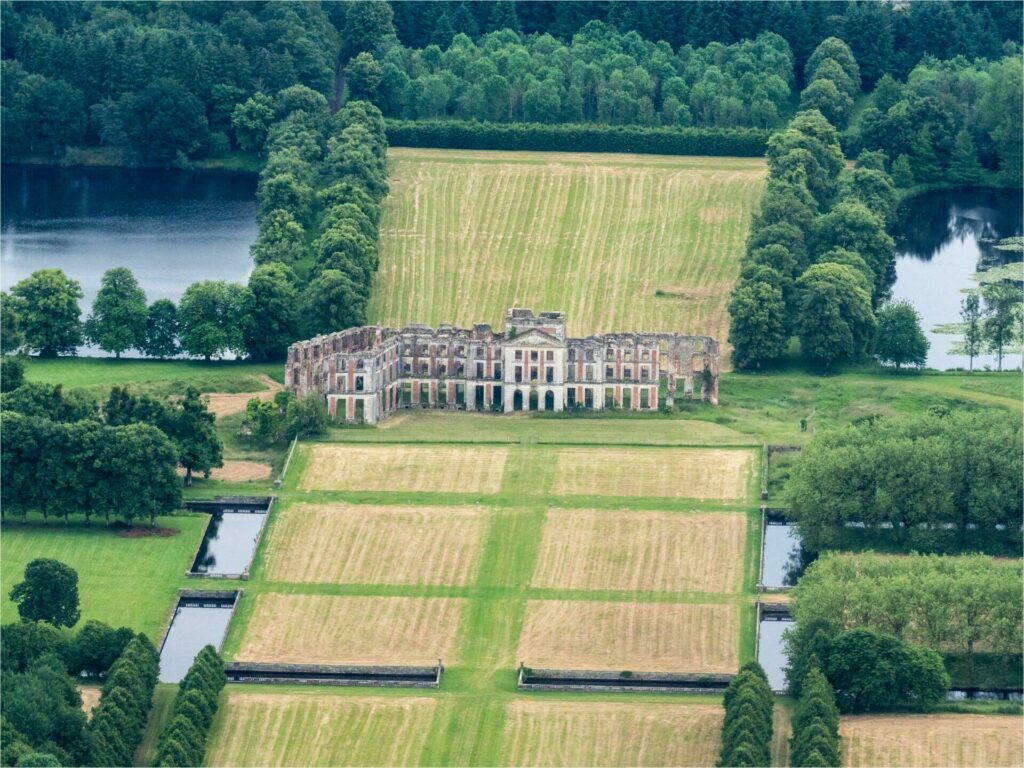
(159, 83)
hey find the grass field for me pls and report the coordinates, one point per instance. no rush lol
(155, 376)
(966, 741)
(682, 473)
(324, 629)
(640, 637)
(367, 544)
(466, 235)
(122, 581)
(435, 469)
(314, 729)
(567, 733)
(641, 551)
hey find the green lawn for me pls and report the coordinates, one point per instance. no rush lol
(158, 376)
(465, 722)
(121, 581)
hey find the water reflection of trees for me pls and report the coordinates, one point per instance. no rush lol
(928, 223)
(206, 560)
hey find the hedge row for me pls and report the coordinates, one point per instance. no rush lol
(183, 741)
(119, 720)
(453, 134)
(747, 727)
(815, 740)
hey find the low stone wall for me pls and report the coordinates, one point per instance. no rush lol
(240, 504)
(605, 680)
(324, 674)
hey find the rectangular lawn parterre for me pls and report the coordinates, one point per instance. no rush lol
(319, 729)
(371, 544)
(641, 550)
(932, 741)
(598, 733)
(640, 637)
(122, 581)
(618, 242)
(695, 473)
(410, 468)
(327, 629)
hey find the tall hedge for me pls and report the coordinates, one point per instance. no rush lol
(118, 722)
(815, 740)
(747, 727)
(183, 741)
(454, 134)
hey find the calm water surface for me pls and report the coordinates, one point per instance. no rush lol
(942, 239)
(780, 560)
(192, 628)
(170, 228)
(229, 543)
(770, 652)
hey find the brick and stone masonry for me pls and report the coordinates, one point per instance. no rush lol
(370, 372)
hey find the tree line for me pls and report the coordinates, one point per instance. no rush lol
(158, 84)
(815, 723)
(747, 726)
(63, 455)
(119, 720)
(940, 481)
(818, 257)
(965, 605)
(183, 740)
(41, 717)
(886, 38)
(957, 120)
(319, 196)
(601, 76)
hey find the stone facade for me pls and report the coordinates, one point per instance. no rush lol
(370, 372)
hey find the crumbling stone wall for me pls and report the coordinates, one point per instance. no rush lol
(370, 372)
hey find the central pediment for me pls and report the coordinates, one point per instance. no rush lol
(534, 338)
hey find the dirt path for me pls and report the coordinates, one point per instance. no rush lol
(224, 404)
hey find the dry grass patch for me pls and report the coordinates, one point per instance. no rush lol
(319, 730)
(365, 544)
(641, 637)
(465, 235)
(566, 733)
(237, 471)
(225, 403)
(434, 469)
(90, 698)
(965, 741)
(650, 551)
(323, 629)
(665, 472)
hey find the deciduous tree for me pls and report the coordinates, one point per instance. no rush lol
(47, 304)
(118, 319)
(49, 593)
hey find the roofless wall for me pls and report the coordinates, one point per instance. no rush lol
(370, 372)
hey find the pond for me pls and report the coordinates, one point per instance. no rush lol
(771, 653)
(780, 558)
(229, 543)
(170, 228)
(197, 622)
(943, 239)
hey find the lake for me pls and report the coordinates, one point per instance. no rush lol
(170, 228)
(942, 239)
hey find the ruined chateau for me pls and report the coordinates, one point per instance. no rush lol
(370, 372)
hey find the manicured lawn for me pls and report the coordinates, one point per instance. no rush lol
(121, 581)
(157, 376)
(313, 601)
(618, 242)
